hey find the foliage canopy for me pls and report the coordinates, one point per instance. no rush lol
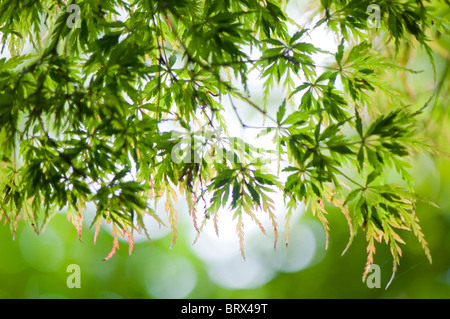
(84, 113)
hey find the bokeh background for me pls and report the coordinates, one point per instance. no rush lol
(35, 266)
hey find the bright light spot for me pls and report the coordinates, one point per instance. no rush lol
(236, 273)
(298, 254)
(171, 277)
(227, 268)
(210, 247)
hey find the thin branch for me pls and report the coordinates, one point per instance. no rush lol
(242, 122)
(208, 68)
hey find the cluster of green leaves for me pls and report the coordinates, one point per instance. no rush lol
(84, 114)
(402, 20)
